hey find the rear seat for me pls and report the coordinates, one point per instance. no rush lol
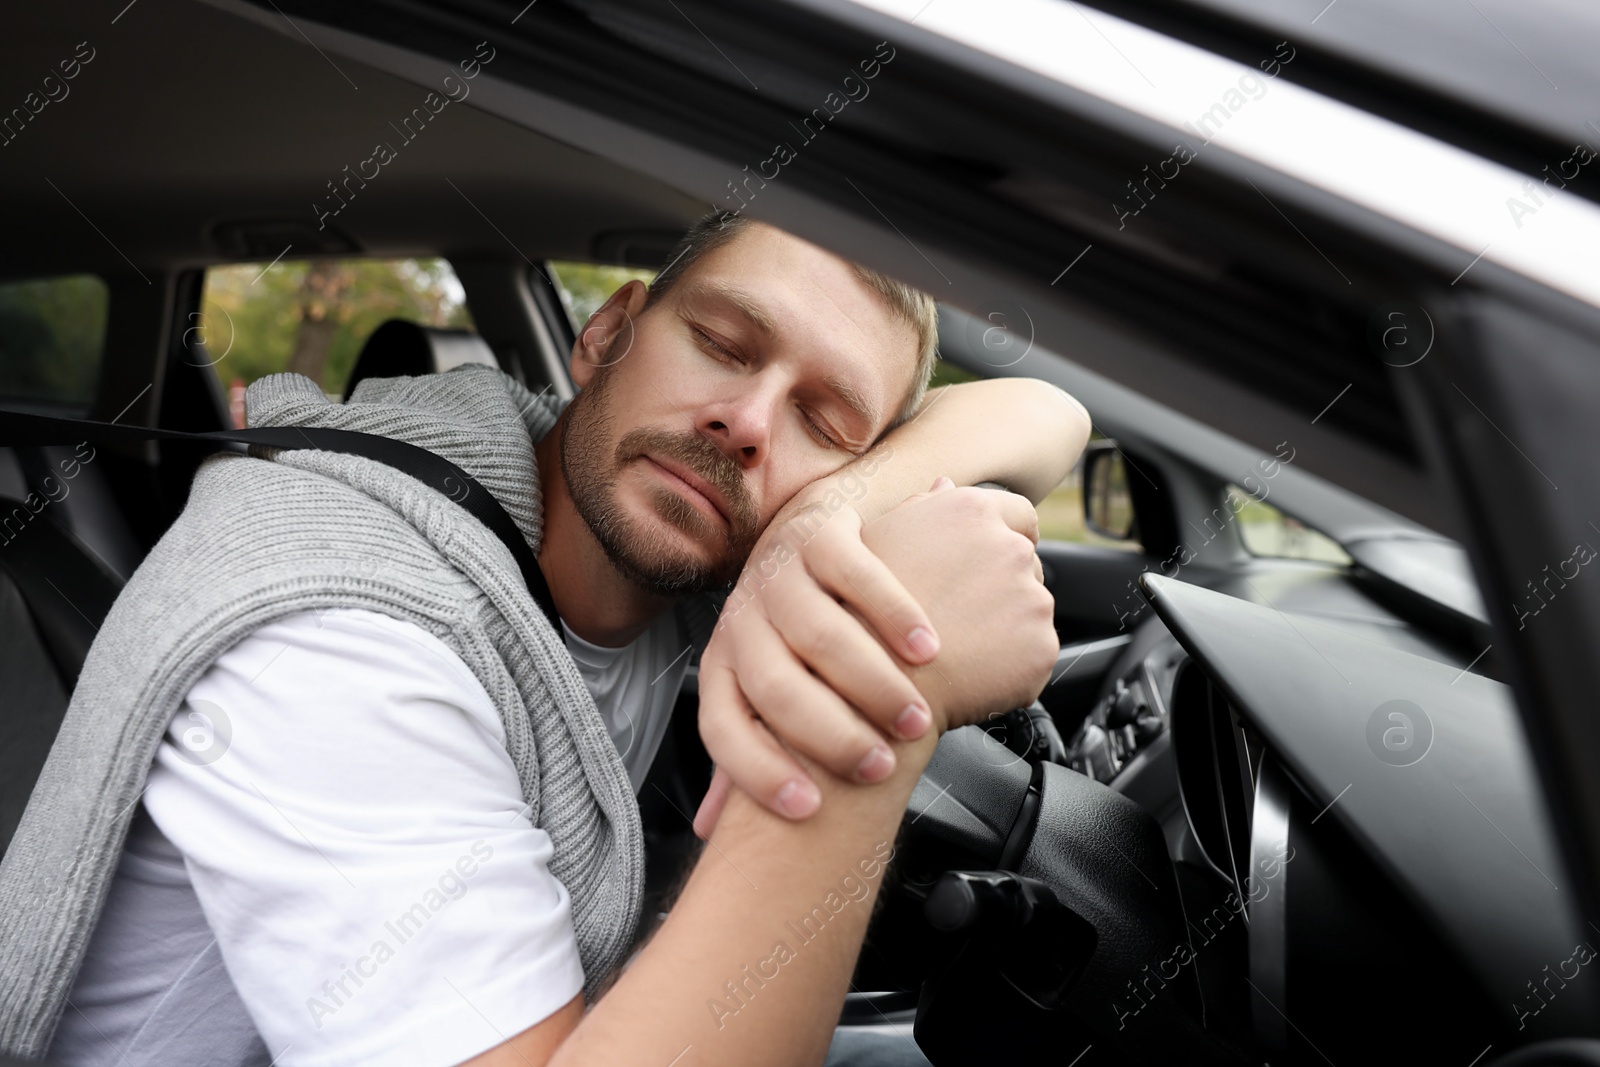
(54, 590)
(400, 348)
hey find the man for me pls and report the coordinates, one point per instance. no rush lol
(393, 819)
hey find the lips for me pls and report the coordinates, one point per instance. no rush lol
(694, 482)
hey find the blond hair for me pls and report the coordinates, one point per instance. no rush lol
(910, 304)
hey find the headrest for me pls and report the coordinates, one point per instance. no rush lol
(406, 349)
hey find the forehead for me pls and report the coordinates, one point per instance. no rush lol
(816, 309)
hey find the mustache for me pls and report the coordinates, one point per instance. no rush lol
(705, 459)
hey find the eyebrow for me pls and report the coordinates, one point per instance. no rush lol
(736, 298)
(852, 399)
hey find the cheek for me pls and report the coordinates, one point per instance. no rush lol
(670, 376)
(649, 387)
(795, 463)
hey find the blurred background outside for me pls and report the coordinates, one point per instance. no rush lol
(312, 317)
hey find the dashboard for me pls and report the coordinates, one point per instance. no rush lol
(1340, 810)
(1272, 837)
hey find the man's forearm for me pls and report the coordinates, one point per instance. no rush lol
(1024, 434)
(753, 962)
(755, 958)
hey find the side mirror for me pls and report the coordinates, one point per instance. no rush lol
(1107, 504)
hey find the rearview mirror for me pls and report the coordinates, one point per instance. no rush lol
(1107, 505)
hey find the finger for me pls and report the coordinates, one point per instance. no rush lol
(747, 751)
(805, 712)
(851, 571)
(1019, 514)
(705, 819)
(835, 645)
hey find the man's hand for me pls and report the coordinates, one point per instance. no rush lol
(822, 681)
(969, 555)
(787, 629)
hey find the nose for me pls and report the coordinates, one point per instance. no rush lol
(740, 423)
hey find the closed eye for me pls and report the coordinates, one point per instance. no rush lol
(816, 430)
(710, 344)
(721, 352)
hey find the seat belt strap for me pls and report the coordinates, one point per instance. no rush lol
(429, 468)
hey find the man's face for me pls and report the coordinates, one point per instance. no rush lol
(768, 365)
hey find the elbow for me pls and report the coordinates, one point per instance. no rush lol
(1063, 420)
(1055, 428)
(1078, 424)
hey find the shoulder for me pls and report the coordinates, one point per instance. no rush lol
(309, 684)
(539, 410)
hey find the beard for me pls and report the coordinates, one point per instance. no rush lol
(649, 557)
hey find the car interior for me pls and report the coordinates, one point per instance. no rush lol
(1278, 803)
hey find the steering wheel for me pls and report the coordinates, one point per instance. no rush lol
(1031, 908)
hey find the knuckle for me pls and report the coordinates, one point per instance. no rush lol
(1049, 647)
(765, 694)
(846, 749)
(873, 685)
(889, 697)
(716, 732)
(970, 503)
(897, 689)
(823, 541)
(1020, 553)
(858, 569)
(802, 533)
(758, 775)
(880, 693)
(816, 639)
(833, 738)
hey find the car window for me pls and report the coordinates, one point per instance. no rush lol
(1061, 512)
(313, 316)
(585, 286)
(52, 335)
(1266, 531)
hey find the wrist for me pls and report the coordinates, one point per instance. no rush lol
(855, 486)
(802, 518)
(936, 691)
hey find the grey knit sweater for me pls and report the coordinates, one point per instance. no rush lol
(267, 535)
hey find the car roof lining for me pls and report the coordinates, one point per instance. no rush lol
(134, 168)
(1529, 63)
(689, 127)
(1508, 79)
(1199, 336)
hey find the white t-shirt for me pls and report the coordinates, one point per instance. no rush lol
(333, 862)
(635, 688)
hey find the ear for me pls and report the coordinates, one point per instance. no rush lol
(609, 334)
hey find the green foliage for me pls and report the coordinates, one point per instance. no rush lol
(585, 286)
(52, 335)
(948, 374)
(1266, 531)
(252, 322)
(1061, 516)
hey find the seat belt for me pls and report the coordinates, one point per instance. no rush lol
(429, 468)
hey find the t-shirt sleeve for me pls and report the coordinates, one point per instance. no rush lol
(356, 834)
